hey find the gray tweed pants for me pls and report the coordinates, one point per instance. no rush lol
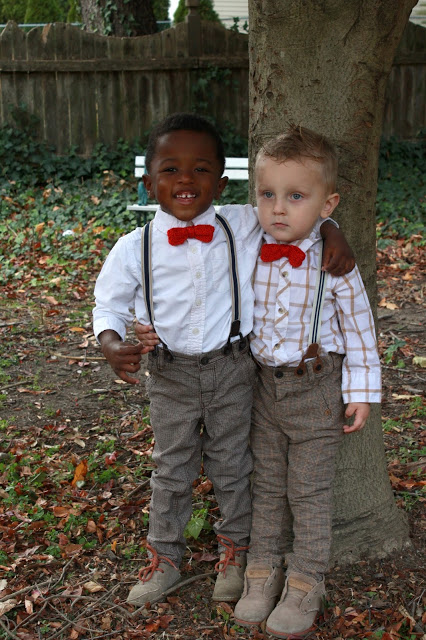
(296, 429)
(214, 390)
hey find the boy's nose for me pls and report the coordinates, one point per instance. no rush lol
(279, 208)
(186, 176)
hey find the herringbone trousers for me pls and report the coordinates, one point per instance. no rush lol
(213, 390)
(296, 429)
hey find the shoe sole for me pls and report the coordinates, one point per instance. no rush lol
(291, 636)
(246, 623)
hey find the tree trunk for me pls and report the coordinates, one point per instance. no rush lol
(325, 65)
(121, 18)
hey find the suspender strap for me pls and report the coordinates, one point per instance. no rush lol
(146, 260)
(320, 288)
(235, 281)
(313, 349)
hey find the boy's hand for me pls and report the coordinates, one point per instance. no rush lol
(146, 335)
(361, 410)
(338, 258)
(123, 357)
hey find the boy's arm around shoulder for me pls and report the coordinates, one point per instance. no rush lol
(338, 258)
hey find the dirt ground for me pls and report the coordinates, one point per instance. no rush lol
(61, 401)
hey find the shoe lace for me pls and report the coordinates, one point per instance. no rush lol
(230, 551)
(147, 572)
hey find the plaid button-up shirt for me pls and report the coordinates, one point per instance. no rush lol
(283, 306)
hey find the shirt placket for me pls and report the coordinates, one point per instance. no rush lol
(198, 308)
(281, 313)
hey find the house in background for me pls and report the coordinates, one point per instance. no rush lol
(229, 9)
(418, 14)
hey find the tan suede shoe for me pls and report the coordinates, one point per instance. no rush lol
(295, 614)
(231, 567)
(263, 585)
(158, 576)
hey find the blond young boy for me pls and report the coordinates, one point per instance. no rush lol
(315, 345)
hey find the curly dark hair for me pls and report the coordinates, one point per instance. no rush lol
(183, 122)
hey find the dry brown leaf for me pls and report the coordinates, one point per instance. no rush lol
(7, 606)
(93, 587)
(80, 473)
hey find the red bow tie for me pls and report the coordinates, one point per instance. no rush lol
(271, 252)
(178, 235)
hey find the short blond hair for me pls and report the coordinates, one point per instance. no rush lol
(298, 143)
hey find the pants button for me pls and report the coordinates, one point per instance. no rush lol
(279, 374)
(204, 360)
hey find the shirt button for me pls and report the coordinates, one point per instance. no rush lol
(284, 274)
(193, 249)
(279, 374)
(280, 310)
(195, 331)
(276, 346)
(198, 302)
(198, 275)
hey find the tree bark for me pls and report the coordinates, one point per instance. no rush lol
(324, 65)
(121, 18)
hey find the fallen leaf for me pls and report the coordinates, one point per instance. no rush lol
(420, 361)
(29, 606)
(93, 587)
(72, 549)
(387, 305)
(106, 623)
(60, 512)
(80, 473)
(403, 396)
(7, 606)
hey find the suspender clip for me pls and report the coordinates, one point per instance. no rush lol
(235, 329)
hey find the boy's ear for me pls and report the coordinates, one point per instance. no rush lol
(330, 204)
(220, 186)
(148, 184)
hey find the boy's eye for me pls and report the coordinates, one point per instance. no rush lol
(268, 194)
(296, 196)
(169, 169)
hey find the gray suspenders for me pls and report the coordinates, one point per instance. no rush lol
(146, 259)
(315, 327)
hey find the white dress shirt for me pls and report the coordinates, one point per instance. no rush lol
(284, 299)
(191, 282)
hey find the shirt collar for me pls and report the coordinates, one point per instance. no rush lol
(164, 221)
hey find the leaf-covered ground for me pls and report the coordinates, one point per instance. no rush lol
(75, 463)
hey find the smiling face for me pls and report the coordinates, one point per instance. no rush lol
(185, 173)
(291, 196)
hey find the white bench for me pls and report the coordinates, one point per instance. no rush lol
(235, 169)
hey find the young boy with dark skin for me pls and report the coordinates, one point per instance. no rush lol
(196, 281)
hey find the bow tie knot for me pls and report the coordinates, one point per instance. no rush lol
(271, 252)
(202, 232)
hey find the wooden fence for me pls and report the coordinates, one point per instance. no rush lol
(405, 105)
(85, 88)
